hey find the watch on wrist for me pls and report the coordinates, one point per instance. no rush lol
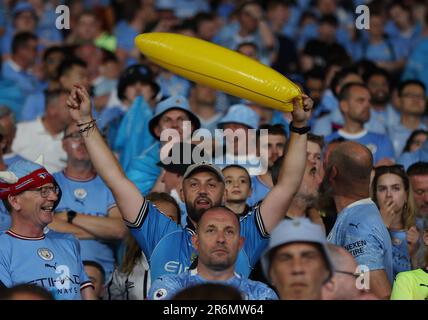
(299, 130)
(71, 214)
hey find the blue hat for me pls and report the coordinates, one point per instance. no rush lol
(22, 7)
(174, 102)
(241, 114)
(296, 230)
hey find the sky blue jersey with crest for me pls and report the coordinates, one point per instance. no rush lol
(91, 197)
(51, 261)
(165, 287)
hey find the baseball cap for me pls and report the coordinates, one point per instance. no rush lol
(295, 230)
(241, 114)
(203, 166)
(173, 102)
(182, 149)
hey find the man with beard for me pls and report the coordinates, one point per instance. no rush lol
(87, 209)
(354, 103)
(167, 245)
(359, 227)
(382, 113)
(217, 241)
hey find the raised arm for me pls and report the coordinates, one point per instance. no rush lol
(128, 197)
(277, 201)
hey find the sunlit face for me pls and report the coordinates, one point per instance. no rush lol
(218, 239)
(298, 271)
(33, 208)
(201, 191)
(390, 187)
(420, 192)
(238, 187)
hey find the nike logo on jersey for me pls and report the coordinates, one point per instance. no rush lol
(354, 225)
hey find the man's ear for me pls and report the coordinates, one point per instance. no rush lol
(343, 106)
(14, 202)
(195, 242)
(333, 173)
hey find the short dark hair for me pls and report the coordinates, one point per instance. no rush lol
(409, 82)
(68, 64)
(339, 76)
(163, 196)
(51, 50)
(376, 72)
(52, 95)
(91, 263)
(8, 293)
(345, 92)
(238, 167)
(273, 129)
(418, 169)
(319, 140)
(247, 43)
(21, 39)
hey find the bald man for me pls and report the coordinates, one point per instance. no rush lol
(218, 241)
(359, 227)
(346, 280)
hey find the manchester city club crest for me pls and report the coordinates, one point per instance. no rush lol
(80, 193)
(45, 254)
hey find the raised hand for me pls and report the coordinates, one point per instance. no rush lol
(79, 104)
(302, 115)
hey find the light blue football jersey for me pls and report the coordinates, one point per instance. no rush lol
(52, 261)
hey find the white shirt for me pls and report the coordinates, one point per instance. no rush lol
(33, 140)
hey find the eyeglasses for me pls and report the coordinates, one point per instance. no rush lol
(45, 191)
(356, 275)
(74, 136)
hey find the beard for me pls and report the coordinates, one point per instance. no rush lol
(196, 213)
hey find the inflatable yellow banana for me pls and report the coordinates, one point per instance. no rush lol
(223, 69)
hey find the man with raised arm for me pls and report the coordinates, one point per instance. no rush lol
(168, 246)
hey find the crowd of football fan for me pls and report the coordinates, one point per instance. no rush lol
(92, 209)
